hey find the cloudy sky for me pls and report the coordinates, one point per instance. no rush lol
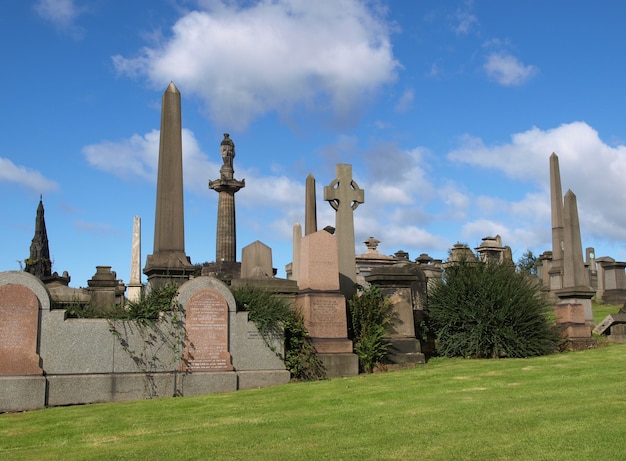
(447, 111)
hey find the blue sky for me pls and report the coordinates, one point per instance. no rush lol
(447, 111)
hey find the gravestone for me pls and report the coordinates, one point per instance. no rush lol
(323, 306)
(19, 327)
(256, 261)
(344, 196)
(206, 327)
(404, 285)
(310, 206)
(22, 384)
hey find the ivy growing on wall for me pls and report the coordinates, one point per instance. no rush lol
(275, 319)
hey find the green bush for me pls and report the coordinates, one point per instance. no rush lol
(488, 311)
(370, 314)
(275, 319)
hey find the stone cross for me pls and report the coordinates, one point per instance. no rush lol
(344, 195)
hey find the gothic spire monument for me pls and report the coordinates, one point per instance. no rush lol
(39, 263)
(168, 260)
(226, 186)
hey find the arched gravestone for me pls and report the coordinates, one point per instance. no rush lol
(22, 384)
(208, 305)
(21, 297)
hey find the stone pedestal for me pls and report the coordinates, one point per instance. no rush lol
(403, 284)
(323, 306)
(570, 321)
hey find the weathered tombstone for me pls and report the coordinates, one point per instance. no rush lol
(104, 288)
(323, 306)
(209, 318)
(224, 351)
(404, 284)
(613, 282)
(22, 384)
(206, 327)
(19, 326)
(256, 261)
(344, 195)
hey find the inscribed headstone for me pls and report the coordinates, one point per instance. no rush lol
(19, 325)
(206, 326)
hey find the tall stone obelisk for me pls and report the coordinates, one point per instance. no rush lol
(576, 289)
(344, 195)
(134, 285)
(556, 199)
(168, 260)
(310, 206)
(226, 186)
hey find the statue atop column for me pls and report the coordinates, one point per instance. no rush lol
(226, 186)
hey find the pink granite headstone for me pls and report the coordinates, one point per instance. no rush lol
(206, 325)
(19, 323)
(319, 266)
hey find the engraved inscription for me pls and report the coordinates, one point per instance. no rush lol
(207, 332)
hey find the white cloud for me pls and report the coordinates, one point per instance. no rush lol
(271, 56)
(405, 101)
(507, 70)
(30, 179)
(61, 13)
(465, 19)
(594, 170)
(138, 156)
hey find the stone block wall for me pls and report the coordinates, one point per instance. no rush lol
(95, 360)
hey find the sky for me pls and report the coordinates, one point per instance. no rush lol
(447, 111)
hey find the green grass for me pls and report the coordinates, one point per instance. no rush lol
(601, 310)
(558, 407)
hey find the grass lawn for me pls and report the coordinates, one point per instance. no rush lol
(558, 407)
(600, 311)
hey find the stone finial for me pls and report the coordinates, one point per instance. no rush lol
(371, 244)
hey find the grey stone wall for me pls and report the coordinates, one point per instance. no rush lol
(95, 360)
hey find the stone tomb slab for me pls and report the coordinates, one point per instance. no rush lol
(206, 325)
(19, 325)
(325, 319)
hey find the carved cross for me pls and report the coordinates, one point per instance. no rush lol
(344, 190)
(344, 195)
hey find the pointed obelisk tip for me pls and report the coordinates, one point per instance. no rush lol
(569, 193)
(171, 88)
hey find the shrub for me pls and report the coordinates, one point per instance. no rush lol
(370, 314)
(488, 311)
(274, 318)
